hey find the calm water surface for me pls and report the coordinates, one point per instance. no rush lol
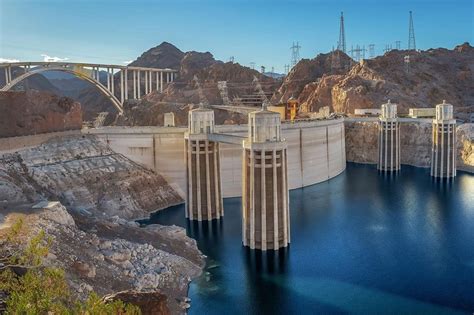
(360, 243)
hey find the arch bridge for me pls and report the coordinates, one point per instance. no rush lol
(116, 84)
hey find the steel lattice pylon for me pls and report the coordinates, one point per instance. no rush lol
(411, 34)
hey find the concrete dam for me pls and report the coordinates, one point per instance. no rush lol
(316, 152)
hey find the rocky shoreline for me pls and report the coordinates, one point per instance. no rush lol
(85, 197)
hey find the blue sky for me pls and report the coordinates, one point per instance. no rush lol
(114, 31)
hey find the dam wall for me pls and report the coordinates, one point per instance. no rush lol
(316, 152)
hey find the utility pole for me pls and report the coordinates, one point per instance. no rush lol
(411, 34)
(341, 44)
(295, 54)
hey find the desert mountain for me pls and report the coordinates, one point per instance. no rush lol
(311, 70)
(430, 77)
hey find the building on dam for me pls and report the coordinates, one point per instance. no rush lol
(389, 139)
(203, 189)
(265, 198)
(443, 152)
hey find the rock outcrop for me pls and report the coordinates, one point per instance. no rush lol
(310, 71)
(465, 134)
(431, 76)
(114, 260)
(32, 112)
(85, 175)
(150, 112)
(97, 192)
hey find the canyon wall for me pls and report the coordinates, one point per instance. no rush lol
(33, 112)
(415, 142)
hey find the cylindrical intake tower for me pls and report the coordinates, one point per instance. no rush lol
(389, 139)
(443, 152)
(203, 192)
(265, 199)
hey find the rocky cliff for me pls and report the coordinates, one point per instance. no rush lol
(430, 77)
(110, 256)
(465, 134)
(85, 175)
(96, 192)
(310, 71)
(32, 112)
(150, 112)
(199, 74)
(415, 143)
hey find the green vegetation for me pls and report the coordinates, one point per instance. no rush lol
(44, 290)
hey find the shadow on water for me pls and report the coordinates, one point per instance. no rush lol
(270, 262)
(209, 231)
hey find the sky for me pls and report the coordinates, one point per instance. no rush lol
(118, 31)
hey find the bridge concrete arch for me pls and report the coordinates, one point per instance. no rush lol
(144, 79)
(115, 101)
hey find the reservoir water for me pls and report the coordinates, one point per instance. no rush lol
(361, 243)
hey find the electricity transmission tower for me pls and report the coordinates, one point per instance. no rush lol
(341, 44)
(295, 54)
(411, 34)
(371, 50)
(358, 53)
(252, 65)
(287, 69)
(398, 44)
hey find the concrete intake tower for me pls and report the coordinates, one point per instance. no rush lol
(265, 198)
(389, 139)
(443, 152)
(203, 191)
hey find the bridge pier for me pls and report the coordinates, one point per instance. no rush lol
(204, 192)
(265, 198)
(389, 139)
(443, 152)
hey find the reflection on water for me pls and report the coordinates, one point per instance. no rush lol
(364, 242)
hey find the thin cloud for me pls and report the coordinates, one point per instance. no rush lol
(47, 58)
(6, 60)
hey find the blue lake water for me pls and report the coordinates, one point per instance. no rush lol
(360, 243)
